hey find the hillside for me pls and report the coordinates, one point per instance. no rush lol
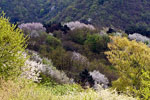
(32, 10)
(71, 61)
(118, 13)
(121, 14)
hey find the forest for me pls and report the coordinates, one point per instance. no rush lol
(74, 50)
(122, 14)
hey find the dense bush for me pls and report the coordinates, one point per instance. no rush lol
(60, 58)
(72, 46)
(36, 43)
(131, 59)
(79, 35)
(52, 41)
(12, 48)
(97, 43)
(58, 34)
(70, 62)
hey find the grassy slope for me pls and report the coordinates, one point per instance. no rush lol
(27, 90)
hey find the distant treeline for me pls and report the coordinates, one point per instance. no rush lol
(100, 13)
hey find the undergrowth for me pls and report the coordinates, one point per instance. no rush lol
(22, 89)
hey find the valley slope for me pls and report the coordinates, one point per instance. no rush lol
(119, 13)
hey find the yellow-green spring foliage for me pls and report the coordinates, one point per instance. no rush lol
(27, 90)
(132, 60)
(12, 46)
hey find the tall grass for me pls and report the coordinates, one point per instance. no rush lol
(27, 90)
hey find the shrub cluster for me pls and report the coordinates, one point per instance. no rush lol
(97, 43)
(36, 67)
(39, 40)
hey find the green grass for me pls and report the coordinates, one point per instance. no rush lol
(27, 90)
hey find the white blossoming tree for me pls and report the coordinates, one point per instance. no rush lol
(99, 79)
(139, 37)
(77, 24)
(32, 29)
(35, 66)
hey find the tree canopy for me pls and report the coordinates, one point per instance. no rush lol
(131, 59)
(12, 49)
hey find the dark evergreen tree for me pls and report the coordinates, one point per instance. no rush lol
(86, 78)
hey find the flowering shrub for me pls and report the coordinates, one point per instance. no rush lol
(107, 70)
(35, 66)
(93, 79)
(34, 56)
(32, 70)
(77, 24)
(99, 79)
(80, 58)
(139, 37)
(32, 29)
(79, 62)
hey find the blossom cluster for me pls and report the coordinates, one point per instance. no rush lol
(77, 24)
(99, 79)
(78, 57)
(32, 29)
(35, 66)
(31, 71)
(139, 37)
